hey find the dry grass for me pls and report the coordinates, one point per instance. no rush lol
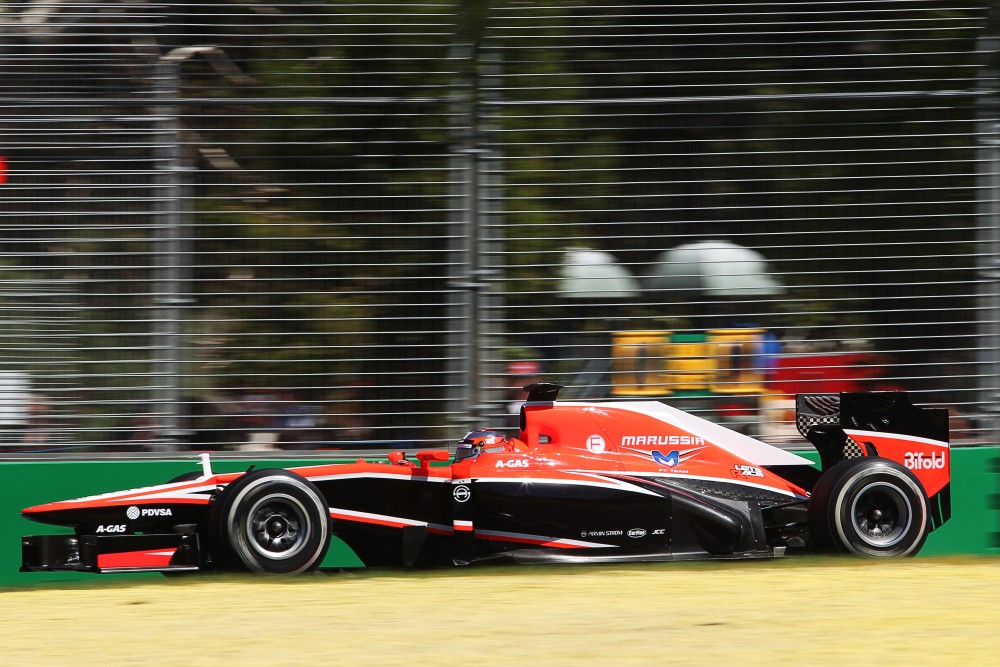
(801, 612)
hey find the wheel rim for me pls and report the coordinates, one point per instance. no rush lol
(881, 514)
(277, 526)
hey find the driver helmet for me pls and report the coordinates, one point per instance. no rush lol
(476, 441)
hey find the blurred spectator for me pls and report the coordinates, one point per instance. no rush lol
(201, 420)
(352, 424)
(299, 422)
(142, 428)
(40, 422)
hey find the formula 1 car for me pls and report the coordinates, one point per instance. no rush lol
(582, 482)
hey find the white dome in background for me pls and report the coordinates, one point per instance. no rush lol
(714, 268)
(590, 274)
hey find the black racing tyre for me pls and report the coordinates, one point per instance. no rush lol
(869, 506)
(269, 521)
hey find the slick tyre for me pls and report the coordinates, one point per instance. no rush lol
(270, 522)
(869, 507)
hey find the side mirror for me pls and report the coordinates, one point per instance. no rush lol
(426, 456)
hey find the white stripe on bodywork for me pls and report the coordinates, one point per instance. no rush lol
(368, 517)
(169, 492)
(375, 517)
(747, 448)
(379, 475)
(706, 478)
(159, 492)
(540, 539)
(595, 479)
(484, 534)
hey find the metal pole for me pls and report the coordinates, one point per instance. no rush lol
(491, 248)
(172, 293)
(461, 335)
(988, 131)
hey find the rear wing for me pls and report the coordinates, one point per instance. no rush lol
(886, 424)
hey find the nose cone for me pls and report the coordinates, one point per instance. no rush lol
(36, 511)
(71, 513)
(54, 513)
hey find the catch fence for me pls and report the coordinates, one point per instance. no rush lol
(346, 225)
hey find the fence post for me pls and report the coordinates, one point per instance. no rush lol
(172, 294)
(461, 346)
(988, 131)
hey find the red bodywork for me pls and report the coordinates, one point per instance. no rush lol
(630, 481)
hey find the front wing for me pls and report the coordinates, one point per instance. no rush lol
(110, 553)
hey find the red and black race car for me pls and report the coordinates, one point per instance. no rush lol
(582, 482)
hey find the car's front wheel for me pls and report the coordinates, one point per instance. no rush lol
(270, 521)
(869, 507)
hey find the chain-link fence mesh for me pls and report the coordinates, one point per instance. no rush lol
(316, 225)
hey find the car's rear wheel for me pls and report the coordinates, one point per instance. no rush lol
(869, 507)
(270, 521)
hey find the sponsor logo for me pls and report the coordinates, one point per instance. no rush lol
(596, 444)
(660, 440)
(660, 531)
(672, 459)
(740, 470)
(602, 533)
(132, 512)
(920, 461)
(637, 532)
(113, 528)
(156, 511)
(461, 493)
(512, 463)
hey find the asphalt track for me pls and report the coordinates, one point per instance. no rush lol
(788, 611)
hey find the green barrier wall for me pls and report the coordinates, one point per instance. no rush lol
(973, 529)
